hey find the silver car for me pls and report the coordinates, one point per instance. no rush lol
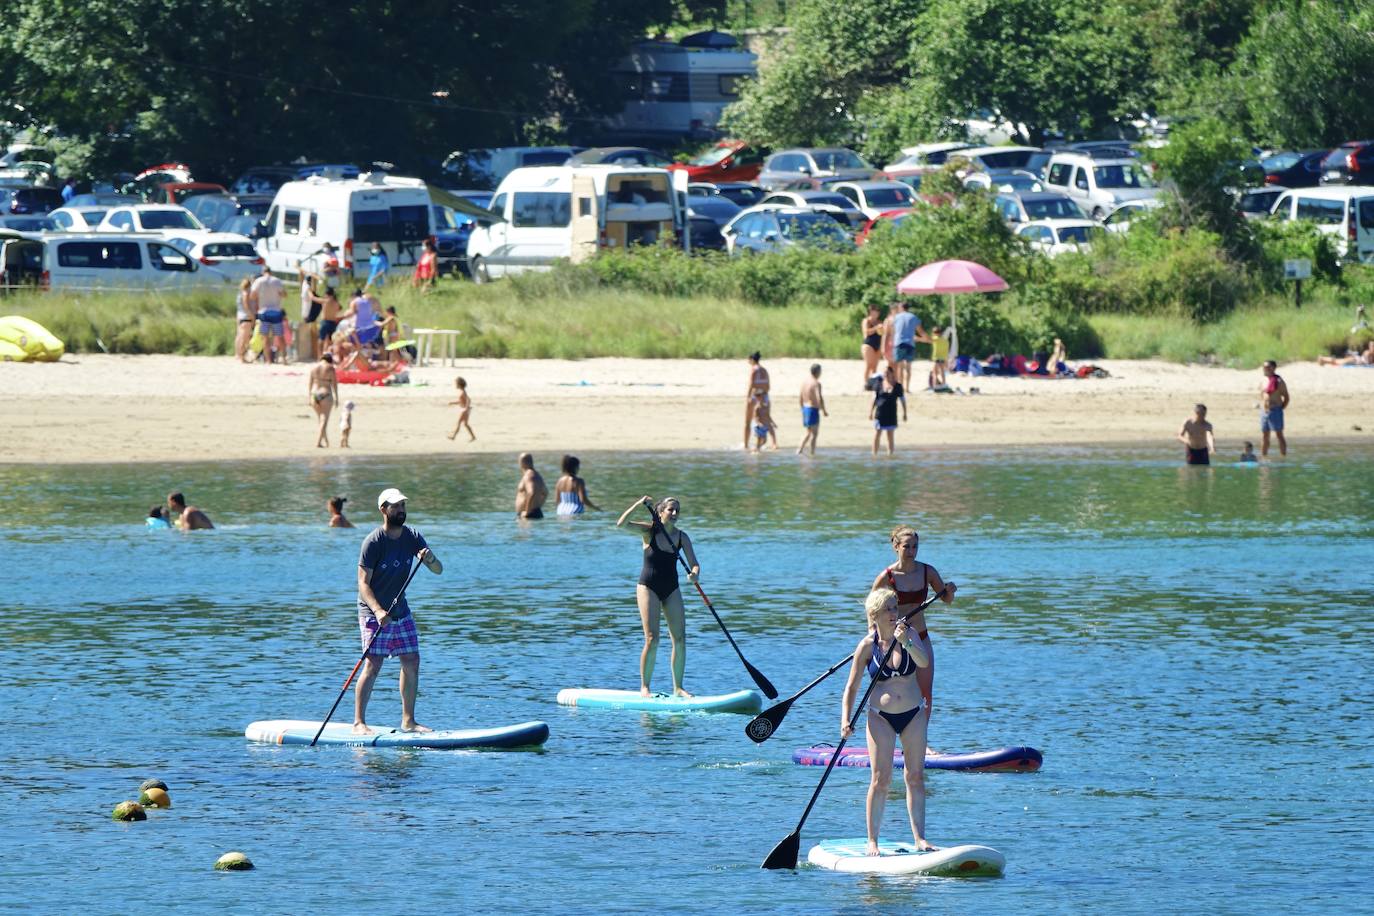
(768, 228)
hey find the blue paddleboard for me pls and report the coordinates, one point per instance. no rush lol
(297, 731)
(590, 698)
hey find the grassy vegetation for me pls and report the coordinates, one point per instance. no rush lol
(1246, 337)
(530, 321)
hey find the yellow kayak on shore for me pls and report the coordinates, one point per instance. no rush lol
(24, 340)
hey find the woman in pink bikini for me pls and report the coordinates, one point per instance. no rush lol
(912, 581)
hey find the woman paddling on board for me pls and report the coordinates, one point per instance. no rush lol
(912, 581)
(658, 586)
(895, 711)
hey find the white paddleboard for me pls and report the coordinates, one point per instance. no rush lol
(590, 698)
(849, 855)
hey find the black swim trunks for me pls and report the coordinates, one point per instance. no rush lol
(1198, 456)
(327, 329)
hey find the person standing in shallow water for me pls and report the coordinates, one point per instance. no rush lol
(1196, 436)
(1273, 402)
(531, 493)
(657, 592)
(383, 567)
(758, 391)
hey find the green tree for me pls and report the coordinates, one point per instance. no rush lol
(836, 58)
(1046, 64)
(1306, 71)
(141, 81)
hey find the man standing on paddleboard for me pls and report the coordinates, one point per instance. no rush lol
(383, 567)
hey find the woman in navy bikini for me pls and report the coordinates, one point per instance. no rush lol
(658, 586)
(895, 712)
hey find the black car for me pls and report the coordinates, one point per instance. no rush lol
(25, 201)
(1350, 163)
(708, 214)
(1294, 169)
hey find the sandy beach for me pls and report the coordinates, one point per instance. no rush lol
(99, 408)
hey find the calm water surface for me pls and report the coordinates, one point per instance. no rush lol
(1188, 647)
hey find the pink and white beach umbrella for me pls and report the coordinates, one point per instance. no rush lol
(950, 278)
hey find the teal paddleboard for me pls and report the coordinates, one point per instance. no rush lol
(746, 701)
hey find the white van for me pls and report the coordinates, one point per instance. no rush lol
(546, 213)
(99, 261)
(1345, 213)
(351, 214)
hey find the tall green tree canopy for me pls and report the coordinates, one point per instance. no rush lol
(1306, 73)
(262, 81)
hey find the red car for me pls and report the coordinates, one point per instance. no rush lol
(901, 213)
(176, 192)
(728, 160)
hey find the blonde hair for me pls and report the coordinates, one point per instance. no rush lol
(246, 284)
(879, 600)
(902, 531)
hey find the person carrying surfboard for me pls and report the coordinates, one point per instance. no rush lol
(895, 712)
(383, 567)
(657, 592)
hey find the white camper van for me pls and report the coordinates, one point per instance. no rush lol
(679, 90)
(543, 214)
(350, 214)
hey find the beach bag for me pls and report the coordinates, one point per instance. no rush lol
(961, 363)
(257, 341)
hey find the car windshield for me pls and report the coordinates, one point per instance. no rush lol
(1075, 234)
(888, 198)
(1280, 161)
(257, 184)
(1121, 176)
(168, 219)
(1018, 183)
(1052, 208)
(230, 250)
(1011, 159)
(545, 157)
(744, 196)
(712, 156)
(834, 159)
(810, 227)
(30, 224)
(1336, 158)
(1257, 201)
(444, 218)
(834, 200)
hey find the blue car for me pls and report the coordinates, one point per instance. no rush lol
(451, 231)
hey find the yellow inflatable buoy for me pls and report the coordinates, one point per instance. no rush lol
(22, 340)
(153, 797)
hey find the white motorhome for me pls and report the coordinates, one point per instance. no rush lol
(97, 261)
(1346, 214)
(679, 90)
(544, 214)
(350, 214)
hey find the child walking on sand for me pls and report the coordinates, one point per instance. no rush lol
(345, 424)
(464, 405)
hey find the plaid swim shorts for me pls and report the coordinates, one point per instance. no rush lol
(397, 638)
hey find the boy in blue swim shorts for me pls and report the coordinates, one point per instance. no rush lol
(812, 408)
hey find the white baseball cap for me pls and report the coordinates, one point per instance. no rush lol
(390, 496)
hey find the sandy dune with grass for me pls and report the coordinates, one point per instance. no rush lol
(98, 408)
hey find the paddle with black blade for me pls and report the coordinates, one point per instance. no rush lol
(784, 855)
(352, 674)
(763, 683)
(762, 726)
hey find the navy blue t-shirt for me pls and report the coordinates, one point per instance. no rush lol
(390, 560)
